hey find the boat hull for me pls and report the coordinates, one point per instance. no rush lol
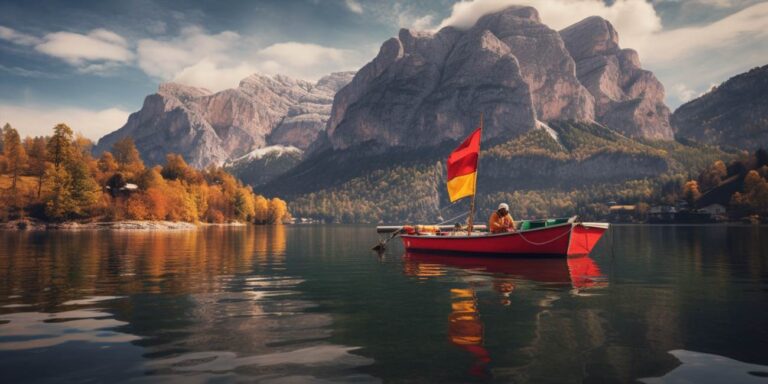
(556, 241)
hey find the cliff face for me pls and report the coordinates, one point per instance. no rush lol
(627, 98)
(210, 128)
(424, 88)
(733, 114)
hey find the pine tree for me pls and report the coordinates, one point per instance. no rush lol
(37, 156)
(60, 145)
(14, 153)
(60, 202)
(83, 188)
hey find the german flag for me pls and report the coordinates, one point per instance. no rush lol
(462, 167)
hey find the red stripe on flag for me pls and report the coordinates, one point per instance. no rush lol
(463, 159)
(463, 166)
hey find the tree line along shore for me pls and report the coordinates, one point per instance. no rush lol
(56, 180)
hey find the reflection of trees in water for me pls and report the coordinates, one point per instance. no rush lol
(59, 266)
(181, 294)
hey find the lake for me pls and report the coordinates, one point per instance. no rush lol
(313, 304)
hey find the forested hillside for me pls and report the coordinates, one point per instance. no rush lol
(568, 168)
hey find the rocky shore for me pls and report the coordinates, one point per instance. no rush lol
(125, 225)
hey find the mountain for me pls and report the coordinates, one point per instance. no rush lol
(627, 98)
(423, 88)
(211, 128)
(732, 114)
(571, 121)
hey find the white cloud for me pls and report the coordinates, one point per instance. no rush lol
(17, 37)
(637, 22)
(634, 19)
(77, 49)
(301, 54)
(213, 76)
(40, 120)
(219, 61)
(354, 6)
(423, 23)
(750, 24)
(683, 93)
(164, 59)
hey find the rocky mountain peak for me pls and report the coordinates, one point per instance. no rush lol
(591, 37)
(509, 16)
(181, 91)
(425, 87)
(210, 128)
(627, 98)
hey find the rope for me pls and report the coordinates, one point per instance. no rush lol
(453, 218)
(546, 242)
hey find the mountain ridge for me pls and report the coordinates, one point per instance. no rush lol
(211, 128)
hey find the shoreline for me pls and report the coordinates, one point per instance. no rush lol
(122, 225)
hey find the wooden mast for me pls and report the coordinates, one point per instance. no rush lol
(471, 223)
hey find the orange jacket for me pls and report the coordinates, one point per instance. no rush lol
(498, 224)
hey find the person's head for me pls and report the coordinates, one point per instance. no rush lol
(503, 209)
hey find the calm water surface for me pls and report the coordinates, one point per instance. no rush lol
(313, 304)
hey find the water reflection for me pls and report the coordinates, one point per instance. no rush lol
(465, 327)
(580, 272)
(466, 330)
(211, 304)
(310, 304)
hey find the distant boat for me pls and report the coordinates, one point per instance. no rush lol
(552, 237)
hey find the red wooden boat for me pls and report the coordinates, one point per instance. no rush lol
(563, 237)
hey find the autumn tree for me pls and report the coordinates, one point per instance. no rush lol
(713, 176)
(244, 204)
(60, 202)
(756, 191)
(261, 209)
(82, 147)
(107, 163)
(127, 156)
(278, 211)
(151, 178)
(83, 188)
(691, 192)
(14, 153)
(37, 159)
(59, 146)
(175, 167)
(136, 207)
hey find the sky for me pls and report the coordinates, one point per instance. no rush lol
(91, 63)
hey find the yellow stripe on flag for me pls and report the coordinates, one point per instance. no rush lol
(462, 186)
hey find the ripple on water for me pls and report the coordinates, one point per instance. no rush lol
(30, 330)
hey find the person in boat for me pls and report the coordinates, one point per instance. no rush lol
(501, 221)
